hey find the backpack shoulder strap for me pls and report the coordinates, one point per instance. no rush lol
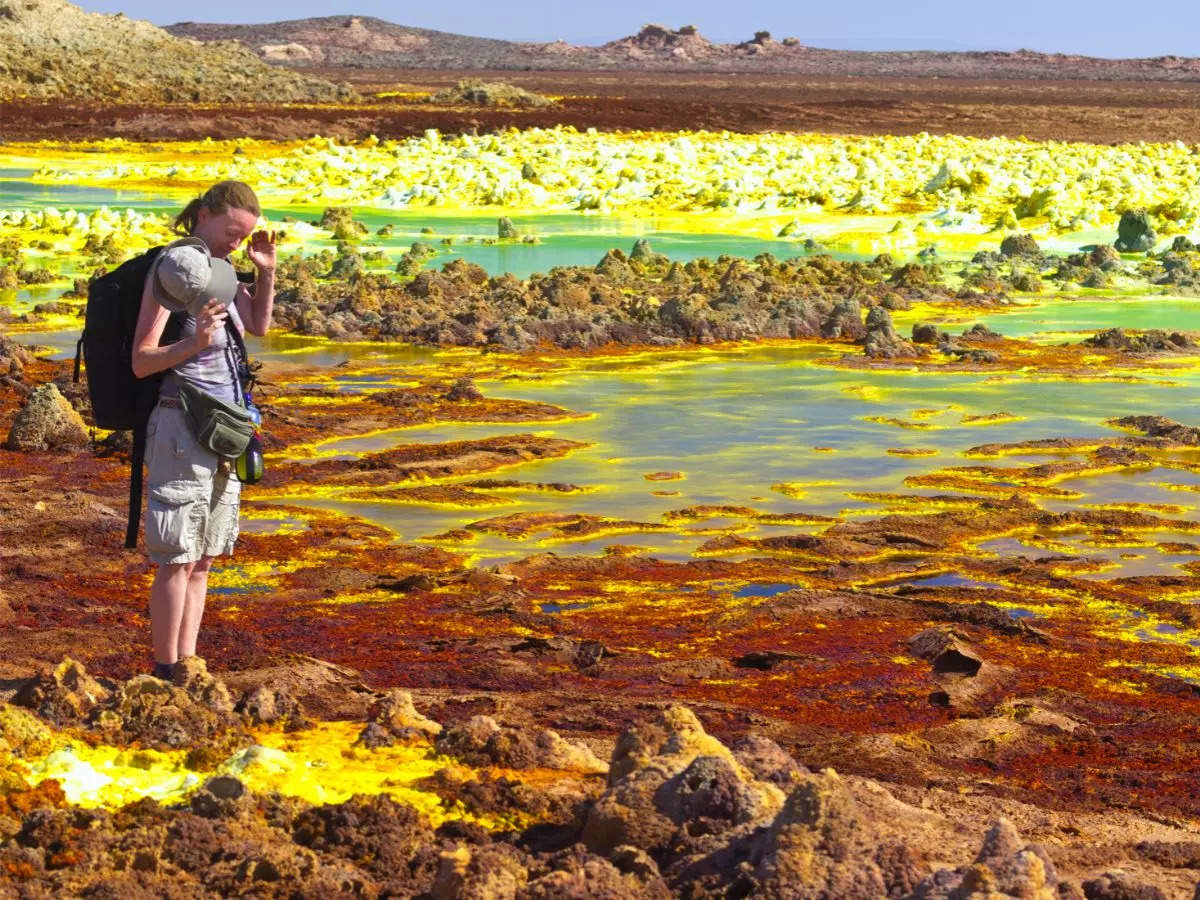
(137, 458)
(238, 341)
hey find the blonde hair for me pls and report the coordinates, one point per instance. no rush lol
(220, 198)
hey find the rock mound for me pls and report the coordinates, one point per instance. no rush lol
(482, 741)
(821, 845)
(47, 421)
(23, 733)
(1135, 234)
(639, 298)
(1005, 867)
(357, 41)
(717, 824)
(1020, 244)
(965, 681)
(13, 358)
(882, 341)
(394, 718)
(670, 781)
(193, 709)
(1121, 886)
(1153, 341)
(687, 42)
(63, 695)
(52, 49)
(488, 93)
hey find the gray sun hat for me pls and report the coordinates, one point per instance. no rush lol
(186, 276)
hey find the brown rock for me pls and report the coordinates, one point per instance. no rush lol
(1005, 867)
(191, 712)
(482, 741)
(496, 872)
(63, 695)
(556, 753)
(267, 705)
(47, 422)
(374, 736)
(377, 834)
(221, 797)
(23, 733)
(319, 688)
(191, 674)
(881, 340)
(768, 761)
(1120, 886)
(946, 650)
(464, 389)
(822, 846)
(577, 873)
(1172, 854)
(965, 681)
(1104, 256)
(667, 773)
(1019, 244)
(395, 712)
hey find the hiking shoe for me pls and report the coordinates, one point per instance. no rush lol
(164, 671)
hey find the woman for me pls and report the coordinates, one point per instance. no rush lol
(193, 495)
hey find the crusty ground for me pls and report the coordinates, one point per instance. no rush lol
(1105, 112)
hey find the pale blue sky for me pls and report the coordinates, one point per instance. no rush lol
(1095, 27)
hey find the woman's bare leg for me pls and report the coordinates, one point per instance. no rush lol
(168, 596)
(193, 608)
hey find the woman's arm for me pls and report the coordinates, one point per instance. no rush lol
(148, 356)
(255, 308)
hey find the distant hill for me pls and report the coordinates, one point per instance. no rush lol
(362, 41)
(349, 41)
(52, 49)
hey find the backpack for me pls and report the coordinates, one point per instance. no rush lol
(106, 344)
(120, 400)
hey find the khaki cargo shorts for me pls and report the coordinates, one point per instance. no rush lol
(191, 505)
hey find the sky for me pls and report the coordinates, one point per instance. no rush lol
(1092, 27)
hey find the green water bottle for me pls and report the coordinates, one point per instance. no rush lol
(249, 465)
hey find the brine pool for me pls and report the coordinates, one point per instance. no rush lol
(779, 430)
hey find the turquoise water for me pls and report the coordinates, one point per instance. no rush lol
(564, 240)
(1064, 318)
(735, 424)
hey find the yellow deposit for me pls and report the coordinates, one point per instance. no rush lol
(319, 765)
(966, 185)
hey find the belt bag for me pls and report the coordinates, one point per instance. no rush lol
(221, 427)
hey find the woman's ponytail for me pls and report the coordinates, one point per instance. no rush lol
(185, 222)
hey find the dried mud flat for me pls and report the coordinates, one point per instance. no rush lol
(693, 724)
(1103, 112)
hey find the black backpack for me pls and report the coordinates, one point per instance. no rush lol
(120, 400)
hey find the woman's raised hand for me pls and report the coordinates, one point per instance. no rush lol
(261, 251)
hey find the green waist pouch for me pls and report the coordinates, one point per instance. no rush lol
(223, 428)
